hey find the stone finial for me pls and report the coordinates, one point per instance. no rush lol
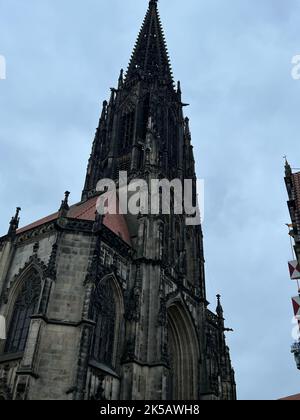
(104, 110)
(112, 96)
(288, 169)
(219, 309)
(14, 223)
(121, 79)
(179, 92)
(64, 208)
(187, 127)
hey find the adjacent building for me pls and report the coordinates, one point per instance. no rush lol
(292, 180)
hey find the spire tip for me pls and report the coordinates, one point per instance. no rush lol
(288, 169)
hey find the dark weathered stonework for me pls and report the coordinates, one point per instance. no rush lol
(164, 342)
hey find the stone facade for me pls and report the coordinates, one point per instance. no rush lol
(115, 308)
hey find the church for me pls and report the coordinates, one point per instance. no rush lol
(114, 307)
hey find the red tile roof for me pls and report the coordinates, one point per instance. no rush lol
(87, 211)
(38, 223)
(292, 398)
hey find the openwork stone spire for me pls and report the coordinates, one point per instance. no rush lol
(150, 57)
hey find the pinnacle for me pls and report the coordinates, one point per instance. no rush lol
(150, 56)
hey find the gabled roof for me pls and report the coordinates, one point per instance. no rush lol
(87, 211)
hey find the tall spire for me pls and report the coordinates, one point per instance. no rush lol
(150, 55)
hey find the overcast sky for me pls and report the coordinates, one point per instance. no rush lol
(234, 61)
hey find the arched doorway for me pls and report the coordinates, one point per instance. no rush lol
(184, 355)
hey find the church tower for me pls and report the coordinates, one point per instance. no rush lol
(114, 307)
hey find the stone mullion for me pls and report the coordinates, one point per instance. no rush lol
(85, 344)
(88, 325)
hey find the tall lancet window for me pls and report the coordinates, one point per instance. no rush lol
(183, 355)
(127, 131)
(25, 306)
(104, 314)
(143, 117)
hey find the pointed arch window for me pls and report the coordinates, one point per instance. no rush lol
(127, 130)
(25, 306)
(105, 317)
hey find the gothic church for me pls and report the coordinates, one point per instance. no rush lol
(114, 307)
